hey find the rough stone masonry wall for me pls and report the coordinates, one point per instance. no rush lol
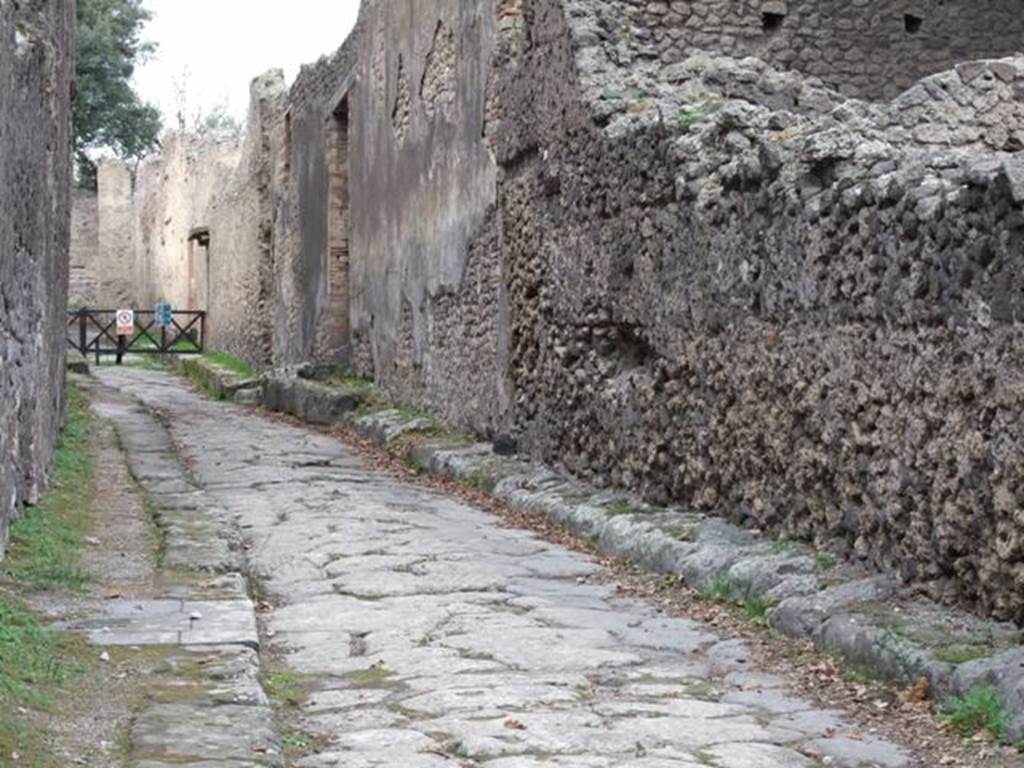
(871, 48)
(36, 44)
(734, 289)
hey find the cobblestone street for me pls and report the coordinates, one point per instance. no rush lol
(418, 631)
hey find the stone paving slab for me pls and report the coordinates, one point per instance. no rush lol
(173, 622)
(426, 634)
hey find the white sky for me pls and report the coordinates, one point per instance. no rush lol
(224, 44)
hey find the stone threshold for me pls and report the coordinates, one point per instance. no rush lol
(878, 626)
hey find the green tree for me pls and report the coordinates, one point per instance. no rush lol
(108, 114)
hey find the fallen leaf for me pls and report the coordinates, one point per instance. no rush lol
(921, 691)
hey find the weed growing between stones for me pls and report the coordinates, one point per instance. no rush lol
(979, 711)
(373, 677)
(285, 688)
(688, 118)
(752, 608)
(722, 589)
(480, 480)
(960, 654)
(622, 507)
(858, 675)
(782, 546)
(755, 609)
(825, 561)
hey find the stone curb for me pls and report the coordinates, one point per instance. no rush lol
(870, 620)
(308, 400)
(222, 383)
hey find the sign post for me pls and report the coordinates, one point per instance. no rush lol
(125, 322)
(163, 315)
(125, 328)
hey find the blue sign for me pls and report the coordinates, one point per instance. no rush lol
(163, 313)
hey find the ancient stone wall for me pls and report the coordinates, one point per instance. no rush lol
(702, 277)
(424, 183)
(239, 217)
(804, 313)
(194, 228)
(172, 196)
(711, 279)
(85, 275)
(872, 49)
(117, 282)
(36, 45)
(310, 212)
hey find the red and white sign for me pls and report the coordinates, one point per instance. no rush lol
(125, 322)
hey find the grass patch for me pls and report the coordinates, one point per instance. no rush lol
(340, 376)
(980, 711)
(35, 662)
(722, 589)
(480, 480)
(782, 546)
(414, 464)
(961, 654)
(46, 542)
(752, 608)
(860, 675)
(372, 677)
(285, 688)
(231, 363)
(755, 609)
(296, 740)
(825, 561)
(622, 507)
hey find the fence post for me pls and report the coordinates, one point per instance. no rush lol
(83, 336)
(121, 343)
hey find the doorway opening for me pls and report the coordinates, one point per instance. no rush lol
(199, 269)
(338, 225)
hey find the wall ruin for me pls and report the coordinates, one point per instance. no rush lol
(36, 44)
(601, 226)
(145, 248)
(870, 49)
